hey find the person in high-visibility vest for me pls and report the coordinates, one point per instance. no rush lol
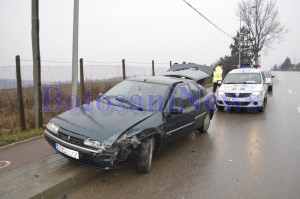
(218, 72)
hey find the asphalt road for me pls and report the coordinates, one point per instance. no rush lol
(243, 155)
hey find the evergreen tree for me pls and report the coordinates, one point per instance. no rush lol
(287, 64)
(247, 54)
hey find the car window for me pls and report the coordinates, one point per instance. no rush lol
(243, 78)
(267, 74)
(149, 94)
(196, 91)
(181, 95)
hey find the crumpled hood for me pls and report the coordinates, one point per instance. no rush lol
(239, 88)
(100, 125)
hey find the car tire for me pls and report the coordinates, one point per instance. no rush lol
(220, 108)
(205, 124)
(270, 88)
(263, 107)
(144, 161)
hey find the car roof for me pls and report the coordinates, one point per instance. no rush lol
(245, 70)
(188, 73)
(207, 69)
(160, 79)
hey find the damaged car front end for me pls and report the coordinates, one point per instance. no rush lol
(101, 154)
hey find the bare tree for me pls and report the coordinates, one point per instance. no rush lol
(262, 19)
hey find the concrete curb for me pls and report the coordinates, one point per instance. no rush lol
(47, 178)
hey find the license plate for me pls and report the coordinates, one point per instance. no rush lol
(232, 99)
(69, 152)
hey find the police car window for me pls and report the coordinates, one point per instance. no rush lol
(243, 78)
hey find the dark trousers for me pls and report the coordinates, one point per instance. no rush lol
(215, 86)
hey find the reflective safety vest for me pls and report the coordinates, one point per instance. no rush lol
(217, 74)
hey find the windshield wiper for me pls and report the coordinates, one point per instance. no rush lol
(249, 82)
(230, 83)
(129, 103)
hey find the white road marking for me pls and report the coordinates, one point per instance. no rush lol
(298, 109)
(4, 163)
(290, 91)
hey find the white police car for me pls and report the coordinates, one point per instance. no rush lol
(243, 88)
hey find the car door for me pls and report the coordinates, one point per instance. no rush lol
(179, 113)
(199, 104)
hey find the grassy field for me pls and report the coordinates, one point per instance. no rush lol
(9, 114)
(9, 138)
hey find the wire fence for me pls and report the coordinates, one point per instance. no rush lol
(98, 77)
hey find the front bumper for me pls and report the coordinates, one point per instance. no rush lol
(87, 156)
(246, 102)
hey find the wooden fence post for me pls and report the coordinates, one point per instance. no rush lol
(81, 82)
(153, 72)
(123, 68)
(19, 94)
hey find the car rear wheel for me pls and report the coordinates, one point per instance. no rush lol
(205, 124)
(270, 88)
(144, 161)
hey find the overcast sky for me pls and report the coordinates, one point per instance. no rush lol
(137, 30)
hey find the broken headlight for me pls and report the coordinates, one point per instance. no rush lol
(94, 143)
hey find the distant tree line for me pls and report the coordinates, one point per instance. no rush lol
(287, 65)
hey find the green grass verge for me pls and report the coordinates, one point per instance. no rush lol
(9, 138)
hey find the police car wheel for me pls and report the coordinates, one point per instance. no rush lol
(220, 108)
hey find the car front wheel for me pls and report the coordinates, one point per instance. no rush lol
(262, 108)
(144, 161)
(205, 124)
(220, 108)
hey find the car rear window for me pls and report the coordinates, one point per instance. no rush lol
(267, 74)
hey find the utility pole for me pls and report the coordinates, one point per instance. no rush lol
(240, 40)
(75, 53)
(35, 27)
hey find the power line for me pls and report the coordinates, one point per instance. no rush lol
(208, 19)
(49, 61)
(97, 62)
